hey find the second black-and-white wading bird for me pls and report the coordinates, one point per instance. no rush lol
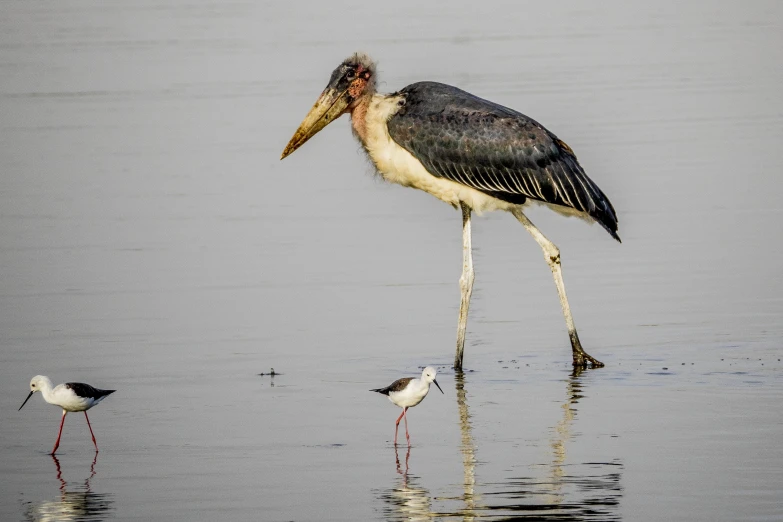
(474, 154)
(71, 397)
(407, 393)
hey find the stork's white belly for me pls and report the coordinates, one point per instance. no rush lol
(397, 165)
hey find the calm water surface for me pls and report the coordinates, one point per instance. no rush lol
(152, 242)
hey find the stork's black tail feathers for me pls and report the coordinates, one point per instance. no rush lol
(383, 391)
(590, 199)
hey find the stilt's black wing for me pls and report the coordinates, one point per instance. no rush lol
(87, 391)
(396, 386)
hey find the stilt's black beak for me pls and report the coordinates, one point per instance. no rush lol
(25, 401)
(438, 385)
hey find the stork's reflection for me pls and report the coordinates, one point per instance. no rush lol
(561, 434)
(467, 448)
(75, 502)
(566, 490)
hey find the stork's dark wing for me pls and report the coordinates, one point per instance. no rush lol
(495, 150)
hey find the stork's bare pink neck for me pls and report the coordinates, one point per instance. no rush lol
(359, 117)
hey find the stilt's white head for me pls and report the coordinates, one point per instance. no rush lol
(428, 376)
(37, 383)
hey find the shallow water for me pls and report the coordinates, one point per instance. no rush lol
(153, 243)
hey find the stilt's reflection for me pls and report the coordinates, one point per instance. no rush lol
(64, 484)
(399, 468)
(74, 502)
(406, 500)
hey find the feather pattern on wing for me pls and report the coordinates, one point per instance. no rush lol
(86, 391)
(495, 150)
(396, 386)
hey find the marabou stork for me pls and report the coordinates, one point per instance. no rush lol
(469, 152)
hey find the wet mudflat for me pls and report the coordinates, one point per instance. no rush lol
(153, 243)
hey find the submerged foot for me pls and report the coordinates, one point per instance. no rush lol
(582, 359)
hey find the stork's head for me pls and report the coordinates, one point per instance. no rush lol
(353, 80)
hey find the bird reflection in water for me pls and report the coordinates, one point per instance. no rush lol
(406, 500)
(399, 468)
(467, 448)
(561, 434)
(554, 490)
(74, 503)
(568, 491)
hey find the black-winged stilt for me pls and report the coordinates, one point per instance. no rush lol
(408, 392)
(71, 396)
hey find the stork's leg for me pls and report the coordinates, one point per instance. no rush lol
(465, 285)
(552, 256)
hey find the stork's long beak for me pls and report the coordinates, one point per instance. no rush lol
(25, 401)
(328, 108)
(438, 385)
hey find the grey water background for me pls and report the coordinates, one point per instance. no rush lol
(151, 241)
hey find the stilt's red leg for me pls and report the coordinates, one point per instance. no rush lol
(91, 433)
(397, 425)
(407, 435)
(57, 443)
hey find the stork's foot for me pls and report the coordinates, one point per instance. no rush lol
(582, 359)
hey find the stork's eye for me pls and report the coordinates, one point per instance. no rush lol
(351, 74)
(32, 385)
